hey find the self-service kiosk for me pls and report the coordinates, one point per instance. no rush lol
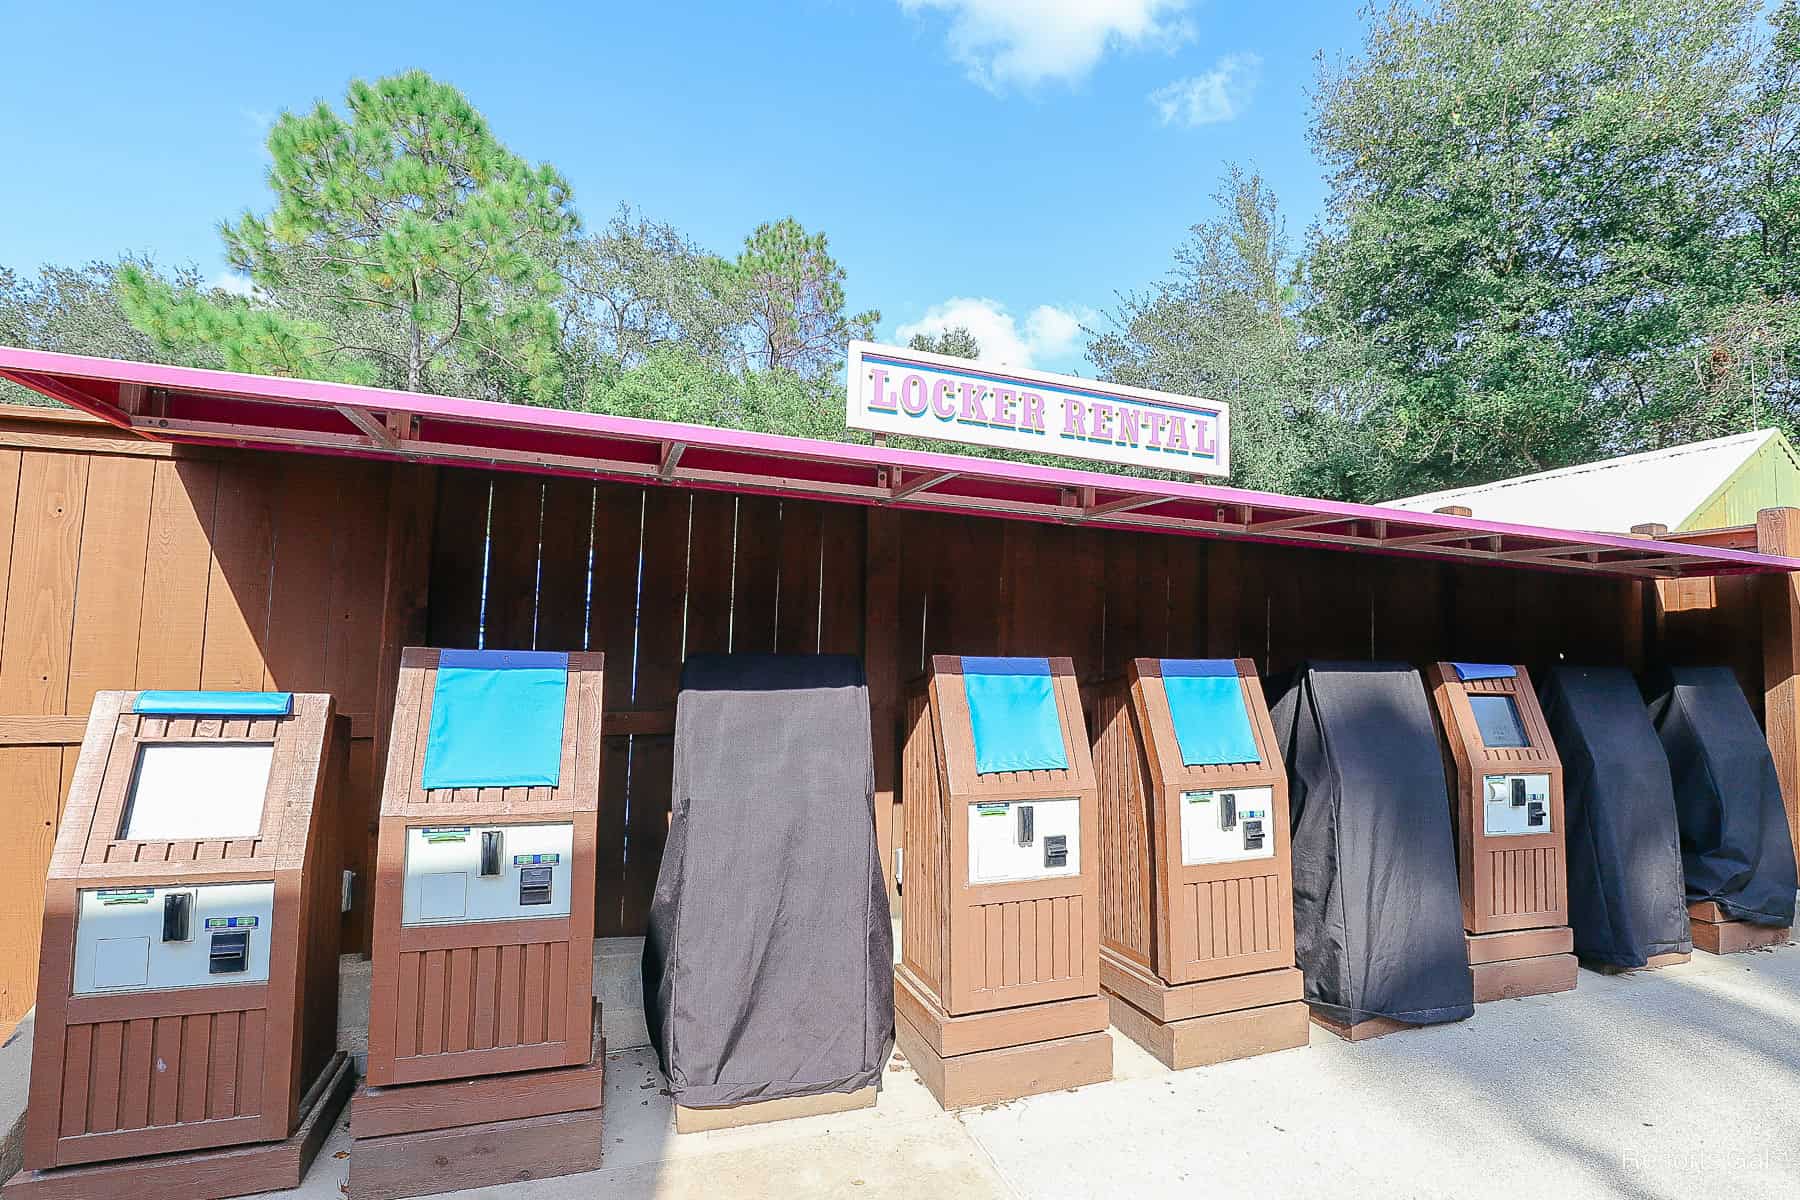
(1376, 928)
(997, 992)
(1737, 853)
(485, 1057)
(769, 954)
(1508, 809)
(187, 993)
(1197, 906)
(1627, 907)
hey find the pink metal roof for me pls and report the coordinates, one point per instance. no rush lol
(186, 405)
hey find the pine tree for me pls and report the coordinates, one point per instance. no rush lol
(406, 243)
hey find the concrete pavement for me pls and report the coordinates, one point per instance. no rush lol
(1682, 1083)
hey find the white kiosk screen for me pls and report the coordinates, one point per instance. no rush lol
(184, 791)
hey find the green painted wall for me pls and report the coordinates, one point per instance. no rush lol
(1770, 478)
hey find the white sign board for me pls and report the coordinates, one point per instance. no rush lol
(916, 394)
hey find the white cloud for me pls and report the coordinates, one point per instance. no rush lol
(1219, 95)
(1048, 333)
(1028, 42)
(231, 281)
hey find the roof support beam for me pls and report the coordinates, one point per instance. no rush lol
(1429, 539)
(926, 480)
(1300, 522)
(1122, 504)
(670, 459)
(365, 420)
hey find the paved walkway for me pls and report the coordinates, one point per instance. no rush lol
(1682, 1083)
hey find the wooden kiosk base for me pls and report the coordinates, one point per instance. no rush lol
(1362, 1031)
(731, 1116)
(1523, 962)
(1716, 933)
(204, 1174)
(1197, 1024)
(1654, 962)
(419, 1139)
(987, 1057)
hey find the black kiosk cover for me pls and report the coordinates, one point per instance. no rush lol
(1735, 847)
(1626, 902)
(768, 965)
(1377, 906)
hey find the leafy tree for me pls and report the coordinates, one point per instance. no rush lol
(794, 296)
(956, 342)
(671, 383)
(77, 311)
(641, 285)
(403, 237)
(1744, 372)
(1530, 219)
(1225, 324)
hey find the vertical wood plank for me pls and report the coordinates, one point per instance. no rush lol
(511, 614)
(77, 1071)
(531, 1024)
(757, 578)
(881, 662)
(458, 557)
(659, 642)
(166, 1077)
(110, 598)
(712, 525)
(221, 1091)
(841, 598)
(196, 1065)
(177, 572)
(1778, 532)
(568, 536)
(612, 625)
(253, 1037)
(459, 1005)
(306, 535)
(40, 591)
(797, 616)
(511, 986)
(134, 1091)
(238, 585)
(103, 1076)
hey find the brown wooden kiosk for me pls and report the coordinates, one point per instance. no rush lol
(187, 1002)
(485, 1057)
(1507, 808)
(997, 992)
(1197, 907)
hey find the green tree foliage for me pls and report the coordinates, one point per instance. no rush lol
(793, 291)
(77, 311)
(639, 286)
(1533, 212)
(1225, 324)
(403, 237)
(955, 342)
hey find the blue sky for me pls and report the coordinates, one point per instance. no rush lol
(1009, 163)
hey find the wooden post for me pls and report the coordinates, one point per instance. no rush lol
(1778, 532)
(406, 594)
(881, 657)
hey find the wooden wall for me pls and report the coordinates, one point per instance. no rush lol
(647, 576)
(126, 564)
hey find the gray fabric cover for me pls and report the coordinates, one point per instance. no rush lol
(768, 966)
(1378, 927)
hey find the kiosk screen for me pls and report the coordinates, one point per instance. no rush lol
(1497, 717)
(183, 791)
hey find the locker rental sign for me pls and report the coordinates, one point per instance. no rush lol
(911, 393)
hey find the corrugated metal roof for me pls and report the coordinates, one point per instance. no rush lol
(1662, 487)
(187, 405)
